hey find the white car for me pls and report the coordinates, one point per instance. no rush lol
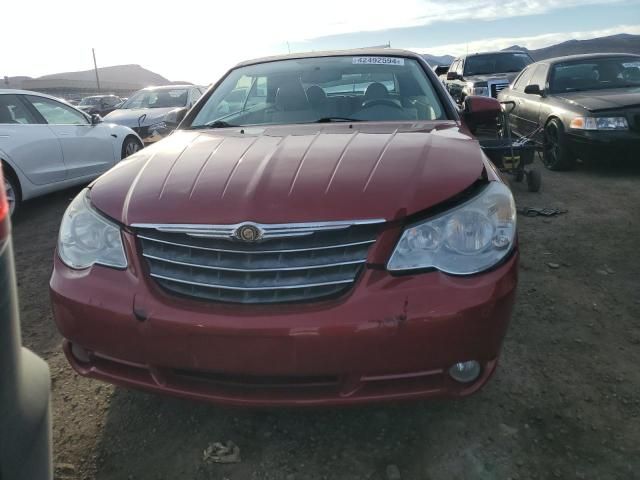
(48, 145)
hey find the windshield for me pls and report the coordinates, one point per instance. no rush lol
(595, 74)
(160, 98)
(90, 101)
(308, 90)
(496, 63)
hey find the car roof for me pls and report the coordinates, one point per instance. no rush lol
(493, 53)
(381, 52)
(13, 91)
(168, 87)
(586, 56)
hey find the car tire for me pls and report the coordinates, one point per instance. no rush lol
(130, 146)
(556, 154)
(12, 190)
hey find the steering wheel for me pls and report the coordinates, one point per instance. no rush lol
(387, 102)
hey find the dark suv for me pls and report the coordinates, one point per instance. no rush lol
(484, 74)
(100, 104)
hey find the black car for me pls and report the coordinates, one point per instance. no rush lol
(484, 74)
(99, 104)
(581, 106)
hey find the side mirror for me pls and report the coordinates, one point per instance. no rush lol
(95, 119)
(452, 76)
(533, 90)
(174, 117)
(480, 111)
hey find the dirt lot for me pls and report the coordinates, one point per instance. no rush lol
(565, 402)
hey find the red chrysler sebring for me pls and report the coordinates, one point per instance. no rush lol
(320, 229)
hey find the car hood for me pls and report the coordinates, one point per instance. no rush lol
(493, 77)
(291, 174)
(129, 117)
(595, 100)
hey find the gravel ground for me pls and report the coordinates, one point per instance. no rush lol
(565, 401)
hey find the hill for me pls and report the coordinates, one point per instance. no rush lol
(622, 43)
(434, 60)
(132, 74)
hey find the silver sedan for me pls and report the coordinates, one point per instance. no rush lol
(48, 145)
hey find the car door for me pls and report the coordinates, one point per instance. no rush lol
(28, 143)
(515, 95)
(87, 151)
(530, 103)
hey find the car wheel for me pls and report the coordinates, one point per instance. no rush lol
(12, 191)
(130, 146)
(556, 154)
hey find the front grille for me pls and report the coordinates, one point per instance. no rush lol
(293, 267)
(496, 88)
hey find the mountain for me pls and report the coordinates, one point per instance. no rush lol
(122, 79)
(434, 60)
(622, 43)
(130, 74)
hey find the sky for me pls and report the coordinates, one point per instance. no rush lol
(198, 41)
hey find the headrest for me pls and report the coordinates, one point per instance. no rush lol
(376, 90)
(291, 96)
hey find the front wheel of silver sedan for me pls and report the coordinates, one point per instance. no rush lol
(130, 146)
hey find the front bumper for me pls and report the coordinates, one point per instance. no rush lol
(604, 145)
(389, 338)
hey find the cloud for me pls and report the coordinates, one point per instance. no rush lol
(530, 42)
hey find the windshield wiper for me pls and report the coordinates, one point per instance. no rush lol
(214, 124)
(337, 119)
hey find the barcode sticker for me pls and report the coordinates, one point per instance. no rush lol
(378, 61)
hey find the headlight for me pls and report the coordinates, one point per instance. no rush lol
(599, 123)
(87, 238)
(480, 88)
(468, 239)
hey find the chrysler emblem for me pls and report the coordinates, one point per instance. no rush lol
(248, 233)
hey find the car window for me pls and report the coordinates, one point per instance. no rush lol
(539, 76)
(160, 98)
(89, 101)
(195, 95)
(459, 66)
(523, 79)
(305, 90)
(12, 110)
(56, 113)
(597, 73)
(496, 63)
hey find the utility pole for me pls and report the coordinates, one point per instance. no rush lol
(288, 46)
(95, 67)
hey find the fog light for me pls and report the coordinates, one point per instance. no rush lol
(465, 372)
(80, 353)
